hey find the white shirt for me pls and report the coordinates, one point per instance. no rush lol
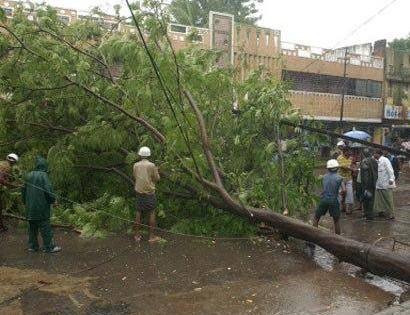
(385, 174)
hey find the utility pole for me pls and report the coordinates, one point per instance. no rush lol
(343, 89)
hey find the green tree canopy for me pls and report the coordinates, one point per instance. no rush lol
(401, 43)
(196, 12)
(88, 98)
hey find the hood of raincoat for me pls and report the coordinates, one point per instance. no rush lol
(41, 164)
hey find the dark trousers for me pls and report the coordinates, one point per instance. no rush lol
(2, 226)
(368, 206)
(46, 234)
(2, 208)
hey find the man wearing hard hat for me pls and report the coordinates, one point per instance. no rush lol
(329, 202)
(6, 182)
(146, 176)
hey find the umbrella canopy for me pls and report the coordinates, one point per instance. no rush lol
(358, 134)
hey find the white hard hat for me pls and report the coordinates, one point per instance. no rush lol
(144, 152)
(12, 157)
(341, 144)
(332, 164)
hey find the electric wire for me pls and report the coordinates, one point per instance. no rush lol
(354, 31)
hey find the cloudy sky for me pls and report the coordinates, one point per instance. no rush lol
(323, 23)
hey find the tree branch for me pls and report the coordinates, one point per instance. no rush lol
(48, 126)
(159, 137)
(107, 169)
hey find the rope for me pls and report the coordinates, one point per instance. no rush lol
(145, 225)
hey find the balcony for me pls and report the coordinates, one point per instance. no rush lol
(326, 106)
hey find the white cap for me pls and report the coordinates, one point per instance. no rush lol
(144, 152)
(12, 157)
(332, 164)
(341, 144)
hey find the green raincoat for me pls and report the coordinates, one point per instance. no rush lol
(38, 192)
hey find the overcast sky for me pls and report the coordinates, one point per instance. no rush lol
(322, 23)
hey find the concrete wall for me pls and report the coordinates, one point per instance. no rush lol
(324, 106)
(296, 63)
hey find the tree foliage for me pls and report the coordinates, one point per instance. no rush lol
(401, 43)
(196, 12)
(87, 98)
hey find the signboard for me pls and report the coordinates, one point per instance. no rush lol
(221, 27)
(393, 112)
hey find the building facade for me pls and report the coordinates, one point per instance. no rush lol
(340, 87)
(362, 86)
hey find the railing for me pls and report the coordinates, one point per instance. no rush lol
(327, 106)
(331, 56)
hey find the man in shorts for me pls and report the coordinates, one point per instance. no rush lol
(146, 176)
(329, 198)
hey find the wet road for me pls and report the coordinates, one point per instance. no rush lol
(185, 276)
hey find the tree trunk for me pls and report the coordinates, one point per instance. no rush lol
(374, 259)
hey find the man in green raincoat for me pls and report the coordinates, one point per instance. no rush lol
(38, 196)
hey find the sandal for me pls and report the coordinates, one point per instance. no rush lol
(155, 239)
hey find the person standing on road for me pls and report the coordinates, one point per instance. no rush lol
(332, 183)
(383, 202)
(339, 149)
(38, 196)
(395, 163)
(345, 171)
(6, 182)
(146, 176)
(368, 179)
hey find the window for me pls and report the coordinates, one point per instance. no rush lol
(275, 41)
(178, 28)
(195, 37)
(267, 37)
(238, 33)
(258, 39)
(8, 12)
(63, 19)
(310, 82)
(248, 34)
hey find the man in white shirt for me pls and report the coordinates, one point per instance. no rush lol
(383, 202)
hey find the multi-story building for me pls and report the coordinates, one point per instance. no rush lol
(335, 85)
(340, 87)
(396, 116)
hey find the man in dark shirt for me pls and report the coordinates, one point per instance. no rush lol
(329, 198)
(368, 179)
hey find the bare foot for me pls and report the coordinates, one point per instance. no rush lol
(154, 239)
(137, 238)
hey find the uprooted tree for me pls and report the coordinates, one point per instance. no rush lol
(88, 97)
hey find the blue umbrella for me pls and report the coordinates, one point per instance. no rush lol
(357, 134)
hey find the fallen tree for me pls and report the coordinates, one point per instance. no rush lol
(59, 82)
(374, 259)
